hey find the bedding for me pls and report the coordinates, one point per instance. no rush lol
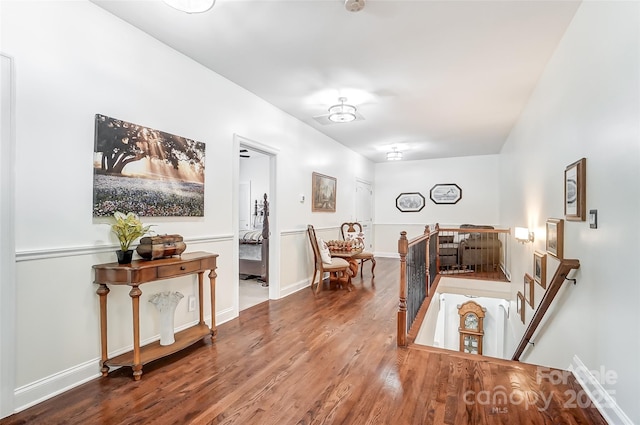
(250, 236)
(254, 247)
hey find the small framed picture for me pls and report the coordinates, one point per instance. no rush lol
(528, 289)
(520, 306)
(575, 191)
(449, 193)
(555, 237)
(540, 268)
(323, 193)
(410, 202)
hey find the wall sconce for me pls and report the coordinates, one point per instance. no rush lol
(523, 235)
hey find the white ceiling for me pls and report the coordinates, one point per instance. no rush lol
(436, 78)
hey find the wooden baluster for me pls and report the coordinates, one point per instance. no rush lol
(403, 248)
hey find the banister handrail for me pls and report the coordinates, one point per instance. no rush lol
(473, 230)
(425, 235)
(559, 277)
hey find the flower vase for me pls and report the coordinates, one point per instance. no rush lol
(124, 257)
(166, 303)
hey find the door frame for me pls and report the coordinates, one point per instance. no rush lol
(7, 238)
(274, 227)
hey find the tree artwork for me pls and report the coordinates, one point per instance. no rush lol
(146, 171)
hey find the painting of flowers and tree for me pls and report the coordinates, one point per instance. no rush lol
(145, 171)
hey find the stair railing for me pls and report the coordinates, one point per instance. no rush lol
(556, 283)
(418, 258)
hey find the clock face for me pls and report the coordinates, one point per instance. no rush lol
(471, 321)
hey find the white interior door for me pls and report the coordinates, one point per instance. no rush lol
(364, 210)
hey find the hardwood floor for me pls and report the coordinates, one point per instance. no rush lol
(325, 359)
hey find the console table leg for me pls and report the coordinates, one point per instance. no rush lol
(201, 296)
(103, 291)
(135, 303)
(212, 281)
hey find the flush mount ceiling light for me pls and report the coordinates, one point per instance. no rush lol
(394, 155)
(191, 6)
(342, 112)
(354, 5)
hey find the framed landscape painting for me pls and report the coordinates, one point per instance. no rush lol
(146, 171)
(323, 193)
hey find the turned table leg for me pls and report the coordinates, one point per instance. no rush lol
(103, 291)
(135, 303)
(212, 282)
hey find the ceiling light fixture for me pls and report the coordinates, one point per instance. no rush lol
(342, 112)
(191, 6)
(394, 155)
(354, 5)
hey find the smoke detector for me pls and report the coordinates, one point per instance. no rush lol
(354, 5)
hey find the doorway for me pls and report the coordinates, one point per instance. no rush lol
(257, 264)
(364, 211)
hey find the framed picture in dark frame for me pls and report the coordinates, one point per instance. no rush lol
(540, 268)
(575, 191)
(410, 202)
(555, 237)
(449, 193)
(323, 193)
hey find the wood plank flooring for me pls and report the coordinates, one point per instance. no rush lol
(325, 359)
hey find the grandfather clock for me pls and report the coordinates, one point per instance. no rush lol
(471, 327)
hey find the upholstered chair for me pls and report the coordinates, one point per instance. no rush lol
(323, 262)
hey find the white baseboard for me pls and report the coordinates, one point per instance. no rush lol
(223, 316)
(297, 286)
(600, 397)
(43, 389)
(386, 254)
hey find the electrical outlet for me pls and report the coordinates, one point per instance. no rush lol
(192, 303)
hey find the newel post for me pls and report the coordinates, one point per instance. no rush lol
(403, 248)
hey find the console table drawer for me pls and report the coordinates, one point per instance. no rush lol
(178, 269)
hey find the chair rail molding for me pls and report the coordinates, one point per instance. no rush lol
(71, 251)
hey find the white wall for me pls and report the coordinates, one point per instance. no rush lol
(585, 105)
(477, 176)
(73, 60)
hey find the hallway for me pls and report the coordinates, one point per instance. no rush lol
(325, 359)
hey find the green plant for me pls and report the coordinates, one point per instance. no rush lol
(128, 228)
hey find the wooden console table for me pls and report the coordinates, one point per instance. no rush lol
(145, 271)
